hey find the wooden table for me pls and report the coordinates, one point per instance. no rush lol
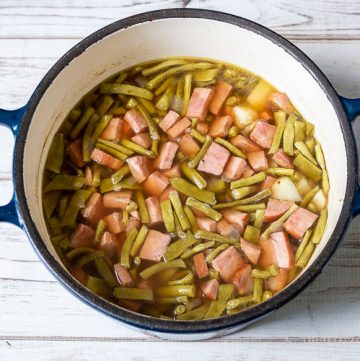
(39, 320)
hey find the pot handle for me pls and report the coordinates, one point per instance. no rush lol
(352, 110)
(11, 119)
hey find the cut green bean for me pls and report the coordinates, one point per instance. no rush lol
(320, 227)
(144, 214)
(98, 286)
(252, 233)
(325, 182)
(174, 291)
(177, 248)
(234, 150)
(289, 135)
(304, 150)
(280, 118)
(195, 314)
(77, 252)
(193, 175)
(74, 115)
(307, 168)
(250, 208)
(244, 182)
(309, 196)
(299, 128)
(187, 92)
(104, 105)
(163, 66)
(161, 266)
(126, 89)
(155, 146)
(186, 279)
(65, 182)
(258, 290)
(168, 215)
(165, 85)
(193, 163)
(112, 151)
(50, 200)
(199, 137)
(56, 154)
(305, 240)
(120, 174)
(106, 185)
(172, 300)
(259, 214)
(90, 257)
(178, 229)
(100, 229)
(217, 307)
(239, 193)
(212, 255)
(211, 236)
(320, 156)
(137, 148)
(306, 255)
(123, 149)
(266, 296)
(153, 131)
(140, 238)
(255, 198)
(191, 218)
(126, 248)
(105, 272)
(280, 172)
(203, 208)
(82, 122)
(127, 293)
(197, 249)
(87, 141)
(239, 302)
(178, 208)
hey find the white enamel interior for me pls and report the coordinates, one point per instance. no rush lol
(184, 37)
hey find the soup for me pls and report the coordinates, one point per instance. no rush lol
(185, 189)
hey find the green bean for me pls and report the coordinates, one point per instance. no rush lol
(305, 240)
(178, 247)
(74, 115)
(148, 105)
(105, 272)
(211, 236)
(121, 148)
(272, 271)
(82, 122)
(87, 143)
(137, 148)
(299, 128)
(197, 249)
(239, 302)
(121, 78)
(190, 190)
(289, 135)
(176, 203)
(280, 172)
(164, 101)
(90, 257)
(106, 185)
(277, 225)
(54, 226)
(186, 279)
(153, 131)
(190, 216)
(62, 206)
(140, 238)
(65, 182)
(132, 103)
(234, 150)
(199, 137)
(193, 175)
(112, 151)
(258, 290)
(255, 198)
(212, 255)
(280, 118)
(178, 230)
(193, 163)
(187, 92)
(325, 182)
(203, 208)
(100, 229)
(306, 255)
(320, 156)
(239, 193)
(320, 227)
(80, 251)
(126, 248)
(168, 215)
(206, 75)
(154, 82)
(98, 286)
(259, 214)
(144, 214)
(266, 296)
(174, 291)
(56, 154)
(310, 143)
(195, 314)
(216, 185)
(117, 111)
(120, 174)
(179, 310)
(307, 168)
(161, 266)
(233, 131)
(249, 208)
(309, 129)
(104, 106)
(251, 233)
(303, 149)
(50, 201)
(217, 307)
(154, 147)
(254, 179)
(126, 89)
(166, 84)
(172, 300)
(309, 196)
(128, 293)
(162, 66)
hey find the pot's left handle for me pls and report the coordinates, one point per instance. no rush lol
(11, 119)
(352, 110)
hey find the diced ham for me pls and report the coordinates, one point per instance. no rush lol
(142, 139)
(127, 131)
(117, 200)
(94, 209)
(227, 263)
(111, 244)
(234, 168)
(210, 289)
(267, 256)
(243, 281)
(263, 134)
(205, 223)
(105, 159)
(282, 159)
(132, 305)
(153, 207)
(178, 128)
(299, 222)
(248, 172)
(166, 155)
(114, 222)
(228, 110)
(165, 194)
(220, 126)
(154, 246)
(83, 236)
(88, 177)
(227, 229)
(79, 274)
(136, 121)
(277, 283)
(214, 159)
(74, 151)
(202, 127)
(156, 183)
(266, 116)
(169, 120)
(222, 91)
(251, 250)
(174, 171)
(139, 167)
(199, 103)
(268, 182)
(282, 101)
(239, 219)
(114, 129)
(284, 254)
(188, 145)
(275, 208)
(133, 223)
(258, 161)
(146, 284)
(123, 276)
(200, 265)
(135, 214)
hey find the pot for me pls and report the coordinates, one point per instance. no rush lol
(196, 33)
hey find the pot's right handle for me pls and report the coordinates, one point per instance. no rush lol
(352, 110)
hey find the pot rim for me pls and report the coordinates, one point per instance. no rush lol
(169, 326)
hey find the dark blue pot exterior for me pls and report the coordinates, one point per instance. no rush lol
(17, 213)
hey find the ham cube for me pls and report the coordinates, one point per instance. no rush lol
(165, 194)
(277, 283)
(243, 281)
(156, 183)
(111, 244)
(275, 208)
(166, 155)
(221, 93)
(178, 128)
(299, 222)
(153, 207)
(142, 139)
(226, 229)
(263, 134)
(74, 151)
(282, 159)
(117, 200)
(123, 276)
(105, 159)
(202, 127)
(282, 101)
(139, 167)
(234, 168)
(214, 159)
(227, 263)
(237, 218)
(205, 223)
(114, 129)
(136, 121)
(199, 103)
(169, 120)
(114, 223)
(200, 265)
(267, 256)
(83, 236)
(188, 145)
(174, 171)
(133, 223)
(251, 250)
(79, 274)
(266, 116)
(244, 143)
(258, 161)
(88, 177)
(154, 246)
(284, 254)
(210, 289)
(268, 182)
(248, 172)
(220, 126)
(94, 209)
